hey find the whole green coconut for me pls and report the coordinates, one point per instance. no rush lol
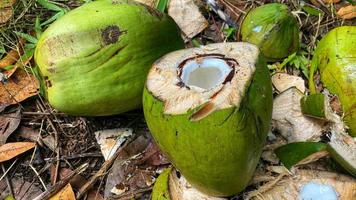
(335, 57)
(273, 29)
(209, 111)
(94, 60)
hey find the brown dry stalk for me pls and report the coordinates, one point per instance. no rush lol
(106, 165)
(60, 184)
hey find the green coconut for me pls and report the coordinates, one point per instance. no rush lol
(94, 60)
(335, 57)
(209, 110)
(273, 29)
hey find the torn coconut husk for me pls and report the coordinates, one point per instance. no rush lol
(335, 57)
(98, 66)
(342, 148)
(209, 110)
(300, 153)
(283, 81)
(306, 184)
(289, 120)
(170, 186)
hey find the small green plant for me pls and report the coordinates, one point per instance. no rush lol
(229, 32)
(297, 60)
(60, 11)
(162, 5)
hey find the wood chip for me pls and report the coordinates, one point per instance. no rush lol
(288, 118)
(283, 81)
(188, 17)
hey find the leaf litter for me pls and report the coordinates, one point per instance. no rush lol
(141, 162)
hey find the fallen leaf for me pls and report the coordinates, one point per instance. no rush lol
(19, 87)
(13, 55)
(27, 133)
(5, 14)
(111, 139)
(76, 182)
(347, 12)
(19, 64)
(22, 189)
(50, 142)
(129, 173)
(64, 194)
(289, 120)
(187, 16)
(283, 81)
(8, 124)
(94, 195)
(331, 1)
(11, 150)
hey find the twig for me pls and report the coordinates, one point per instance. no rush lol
(60, 184)
(7, 180)
(7, 171)
(69, 157)
(106, 165)
(56, 141)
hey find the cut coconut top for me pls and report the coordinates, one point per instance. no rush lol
(215, 76)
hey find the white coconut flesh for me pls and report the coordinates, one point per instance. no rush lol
(210, 78)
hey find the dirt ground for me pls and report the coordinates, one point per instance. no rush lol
(68, 142)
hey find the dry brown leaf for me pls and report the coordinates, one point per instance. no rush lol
(76, 182)
(64, 194)
(129, 164)
(18, 64)
(14, 54)
(331, 1)
(347, 12)
(11, 150)
(6, 10)
(5, 14)
(22, 189)
(8, 124)
(18, 88)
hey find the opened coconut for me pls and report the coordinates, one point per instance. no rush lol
(209, 110)
(335, 58)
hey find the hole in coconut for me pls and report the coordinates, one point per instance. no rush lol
(206, 73)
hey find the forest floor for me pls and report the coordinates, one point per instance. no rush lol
(65, 143)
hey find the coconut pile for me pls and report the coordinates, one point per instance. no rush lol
(178, 99)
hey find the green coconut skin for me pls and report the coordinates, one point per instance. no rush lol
(273, 29)
(335, 57)
(95, 59)
(160, 190)
(219, 153)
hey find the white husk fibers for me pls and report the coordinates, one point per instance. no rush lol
(163, 80)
